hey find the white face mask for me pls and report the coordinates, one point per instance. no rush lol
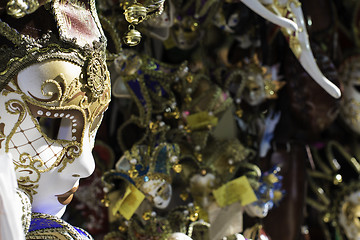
(50, 121)
(254, 93)
(160, 191)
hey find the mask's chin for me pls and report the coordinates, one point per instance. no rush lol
(52, 185)
(61, 212)
(55, 209)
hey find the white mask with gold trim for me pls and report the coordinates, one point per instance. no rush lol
(50, 115)
(160, 191)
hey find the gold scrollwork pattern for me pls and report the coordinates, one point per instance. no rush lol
(30, 175)
(18, 108)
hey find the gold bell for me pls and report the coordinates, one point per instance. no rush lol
(19, 9)
(135, 13)
(132, 37)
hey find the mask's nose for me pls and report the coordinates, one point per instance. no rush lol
(84, 165)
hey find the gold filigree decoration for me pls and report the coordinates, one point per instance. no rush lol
(15, 107)
(97, 75)
(71, 91)
(66, 231)
(70, 154)
(28, 182)
(285, 10)
(54, 96)
(26, 209)
(71, 149)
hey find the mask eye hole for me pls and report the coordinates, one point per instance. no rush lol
(49, 126)
(55, 128)
(163, 191)
(160, 190)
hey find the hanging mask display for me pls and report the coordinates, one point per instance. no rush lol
(294, 29)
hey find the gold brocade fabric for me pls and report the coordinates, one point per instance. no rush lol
(44, 226)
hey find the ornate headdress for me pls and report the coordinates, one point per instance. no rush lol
(61, 35)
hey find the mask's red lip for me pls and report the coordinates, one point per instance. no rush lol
(66, 198)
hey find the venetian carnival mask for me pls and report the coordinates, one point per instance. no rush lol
(160, 191)
(185, 32)
(349, 111)
(255, 92)
(55, 87)
(239, 20)
(260, 83)
(50, 118)
(149, 170)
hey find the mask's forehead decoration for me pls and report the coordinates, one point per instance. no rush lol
(77, 21)
(53, 76)
(76, 37)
